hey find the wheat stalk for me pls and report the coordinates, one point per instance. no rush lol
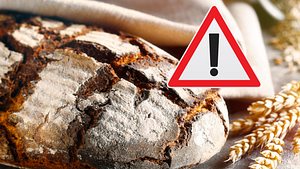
(264, 134)
(247, 144)
(241, 147)
(296, 142)
(271, 156)
(268, 122)
(246, 125)
(288, 97)
(242, 126)
(284, 100)
(286, 121)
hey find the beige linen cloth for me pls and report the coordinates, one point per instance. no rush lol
(170, 23)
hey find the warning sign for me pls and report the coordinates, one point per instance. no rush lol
(213, 58)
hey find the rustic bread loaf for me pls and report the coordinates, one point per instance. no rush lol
(76, 96)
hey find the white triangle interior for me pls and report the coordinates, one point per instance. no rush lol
(229, 67)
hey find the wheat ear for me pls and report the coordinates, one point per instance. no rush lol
(286, 121)
(296, 142)
(246, 125)
(275, 126)
(271, 156)
(288, 97)
(283, 100)
(242, 126)
(249, 142)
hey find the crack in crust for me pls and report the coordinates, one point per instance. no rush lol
(185, 120)
(20, 84)
(133, 67)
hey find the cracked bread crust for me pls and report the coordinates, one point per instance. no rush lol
(77, 96)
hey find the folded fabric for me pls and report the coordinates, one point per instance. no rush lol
(158, 30)
(256, 53)
(164, 23)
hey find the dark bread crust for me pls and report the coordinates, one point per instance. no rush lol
(79, 91)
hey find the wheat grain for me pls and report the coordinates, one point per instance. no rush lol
(271, 156)
(242, 126)
(268, 122)
(296, 142)
(283, 100)
(250, 141)
(247, 144)
(292, 86)
(277, 125)
(287, 34)
(241, 147)
(264, 135)
(286, 121)
(258, 111)
(288, 97)
(258, 166)
(247, 124)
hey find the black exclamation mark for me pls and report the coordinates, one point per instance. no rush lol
(214, 49)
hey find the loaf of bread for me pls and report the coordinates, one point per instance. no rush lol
(77, 96)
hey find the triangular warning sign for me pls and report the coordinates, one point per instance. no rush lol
(213, 58)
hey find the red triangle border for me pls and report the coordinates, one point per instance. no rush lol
(213, 14)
